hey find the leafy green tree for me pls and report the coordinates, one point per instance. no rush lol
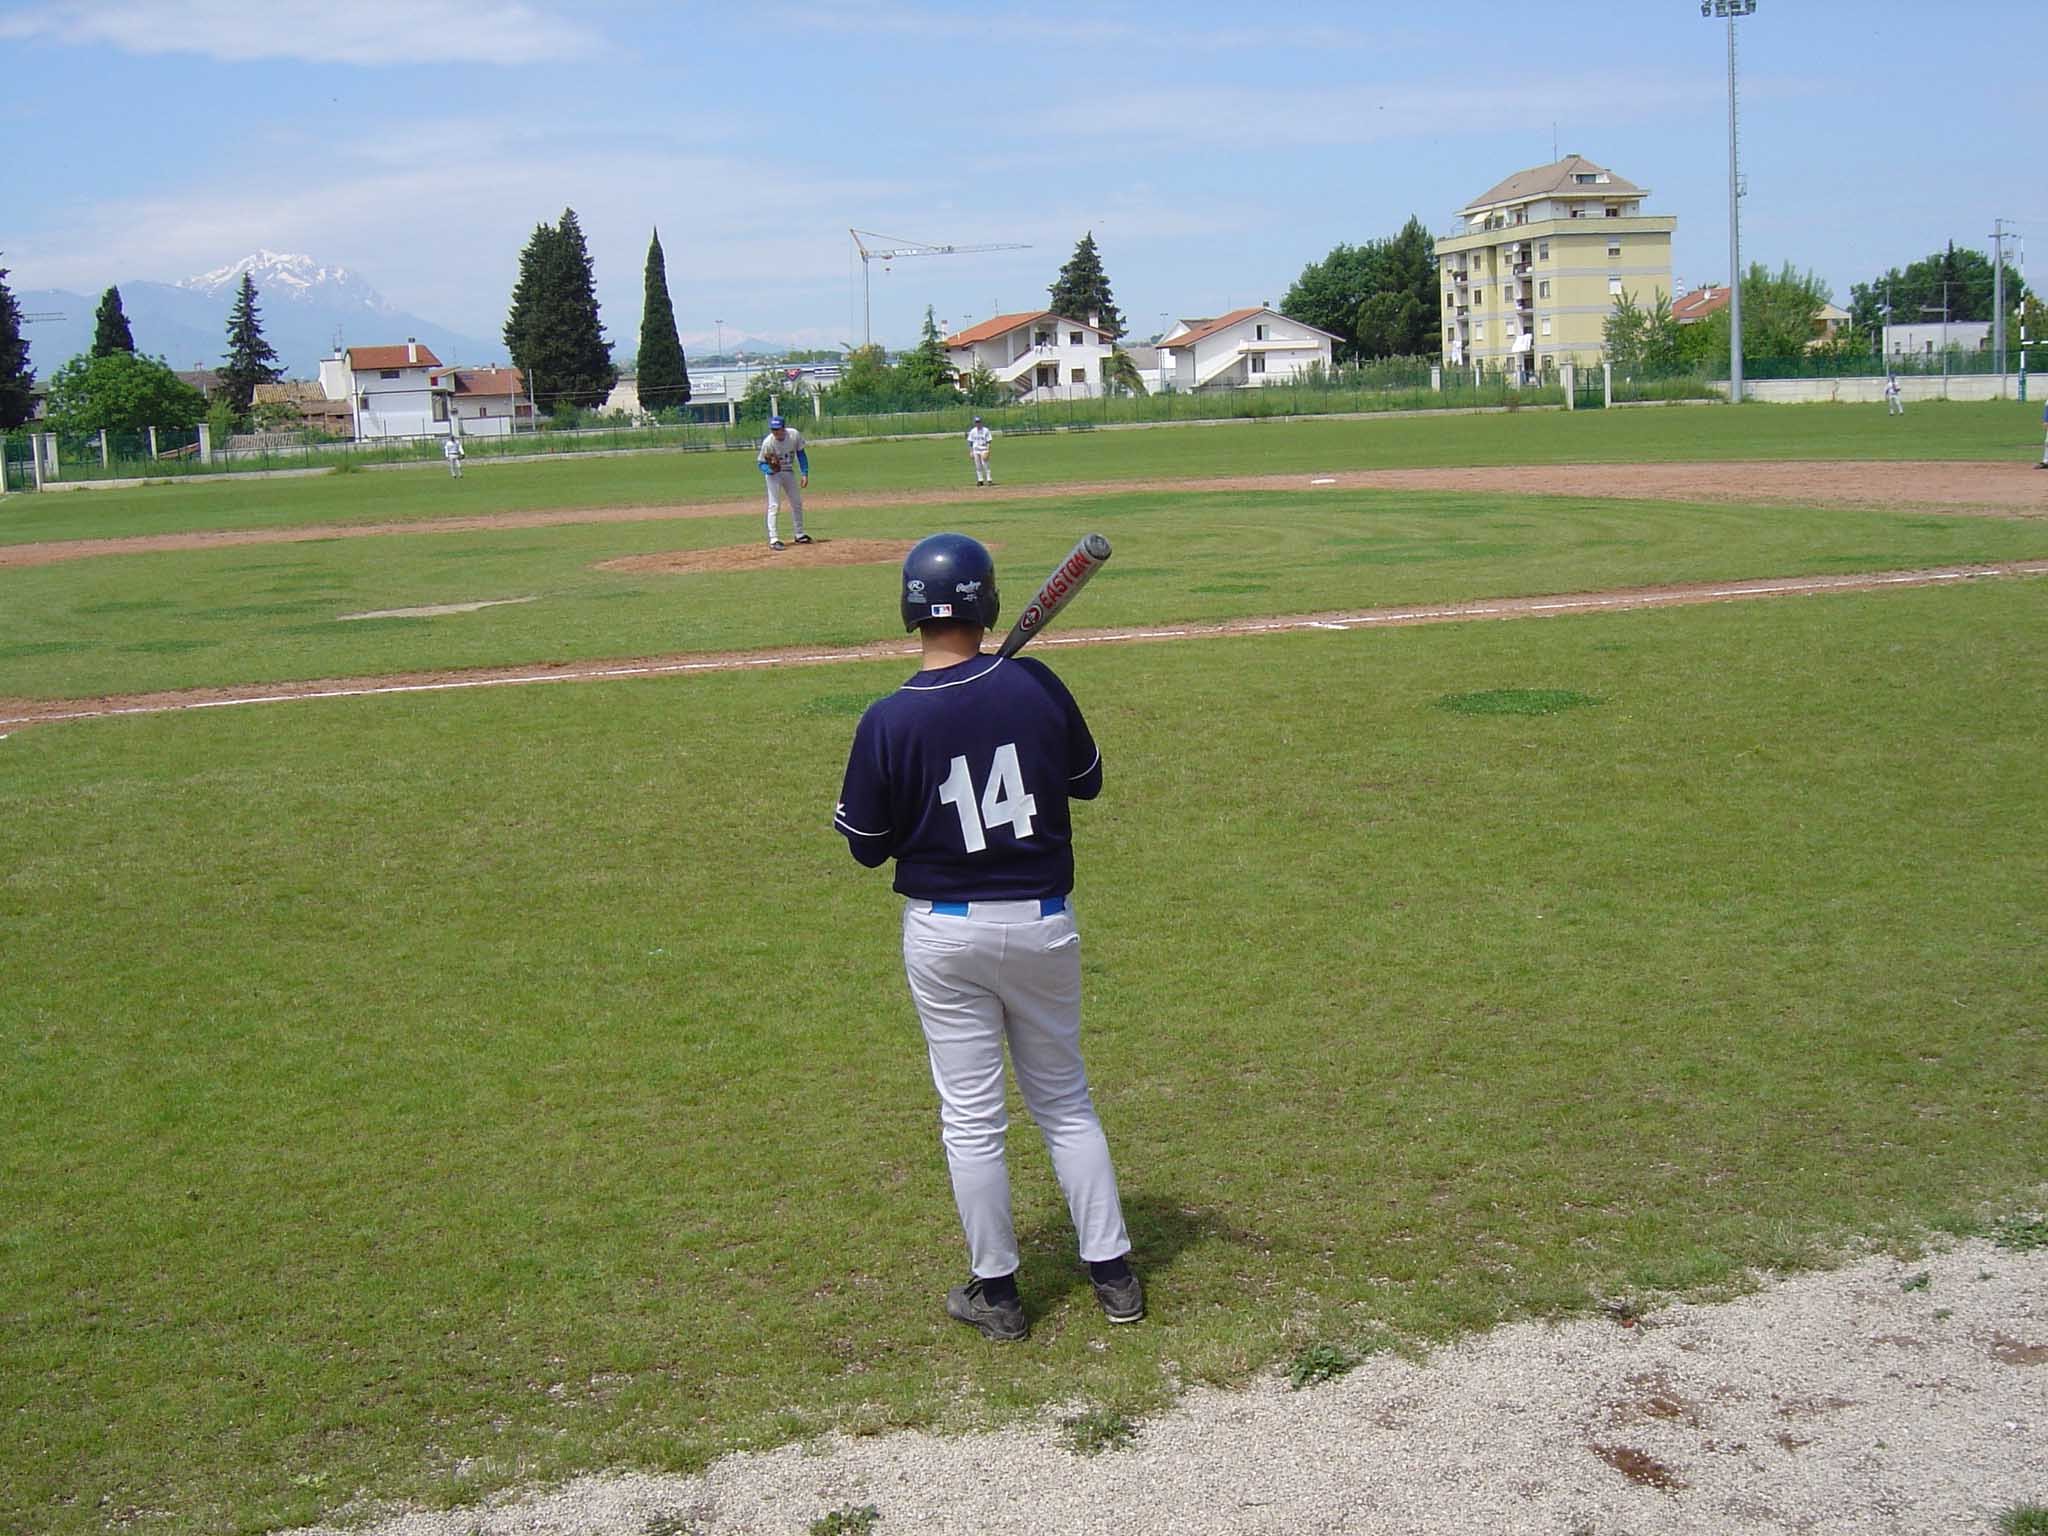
(17, 382)
(1778, 310)
(553, 331)
(1642, 340)
(250, 359)
(1120, 374)
(110, 326)
(1082, 289)
(1379, 299)
(121, 392)
(1916, 294)
(980, 384)
(664, 375)
(928, 370)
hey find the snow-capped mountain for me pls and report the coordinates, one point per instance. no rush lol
(292, 276)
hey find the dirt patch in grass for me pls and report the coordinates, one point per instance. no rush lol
(1976, 489)
(756, 557)
(17, 711)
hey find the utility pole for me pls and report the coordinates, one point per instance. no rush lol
(1730, 9)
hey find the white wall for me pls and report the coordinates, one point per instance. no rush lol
(1870, 390)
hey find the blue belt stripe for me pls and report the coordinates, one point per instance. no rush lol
(1048, 906)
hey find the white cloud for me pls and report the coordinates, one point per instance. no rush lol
(363, 32)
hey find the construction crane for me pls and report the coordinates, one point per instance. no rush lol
(898, 247)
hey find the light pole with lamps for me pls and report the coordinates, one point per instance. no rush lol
(1730, 9)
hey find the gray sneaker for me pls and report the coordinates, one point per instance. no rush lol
(1123, 1301)
(1002, 1320)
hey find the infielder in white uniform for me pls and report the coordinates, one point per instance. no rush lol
(451, 450)
(978, 440)
(787, 469)
(963, 776)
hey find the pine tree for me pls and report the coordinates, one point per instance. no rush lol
(552, 331)
(1081, 290)
(928, 368)
(664, 372)
(250, 359)
(16, 380)
(110, 326)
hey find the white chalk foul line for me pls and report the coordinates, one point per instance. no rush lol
(1339, 622)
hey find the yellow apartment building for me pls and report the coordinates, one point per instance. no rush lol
(1530, 278)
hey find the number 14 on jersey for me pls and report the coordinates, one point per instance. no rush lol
(1003, 801)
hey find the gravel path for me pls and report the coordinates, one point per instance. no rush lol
(1886, 1396)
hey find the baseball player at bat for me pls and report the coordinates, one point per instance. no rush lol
(787, 468)
(963, 776)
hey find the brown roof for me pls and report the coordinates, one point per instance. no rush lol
(487, 381)
(390, 357)
(1542, 180)
(1205, 329)
(1699, 304)
(988, 330)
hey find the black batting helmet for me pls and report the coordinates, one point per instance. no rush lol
(949, 576)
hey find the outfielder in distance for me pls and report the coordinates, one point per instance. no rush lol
(787, 469)
(963, 776)
(979, 440)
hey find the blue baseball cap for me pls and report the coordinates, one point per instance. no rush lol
(777, 421)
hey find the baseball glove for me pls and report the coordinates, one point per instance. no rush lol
(774, 462)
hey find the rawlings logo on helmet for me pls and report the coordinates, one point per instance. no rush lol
(915, 587)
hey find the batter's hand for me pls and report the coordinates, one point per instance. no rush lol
(803, 482)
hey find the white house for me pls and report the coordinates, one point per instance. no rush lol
(1243, 349)
(1932, 338)
(1038, 355)
(487, 402)
(395, 391)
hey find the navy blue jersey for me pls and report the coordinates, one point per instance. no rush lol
(963, 775)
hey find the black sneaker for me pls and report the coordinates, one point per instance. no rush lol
(775, 543)
(1002, 1320)
(1123, 1301)
(803, 538)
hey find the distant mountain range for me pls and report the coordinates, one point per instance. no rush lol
(304, 306)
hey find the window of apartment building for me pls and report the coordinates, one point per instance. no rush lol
(1613, 212)
(1584, 178)
(1080, 376)
(1614, 283)
(1613, 249)
(1546, 325)
(1258, 362)
(1074, 339)
(1258, 333)
(1543, 250)
(1548, 362)
(387, 373)
(1041, 338)
(1543, 289)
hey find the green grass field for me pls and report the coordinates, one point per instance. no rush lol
(409, 1097)
(2008, 431)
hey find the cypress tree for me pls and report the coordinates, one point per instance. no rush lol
(16, 380)
(1082, 290)
(664, 374)
(928, 367)
(552, 330)
(110, 326)
(250, 359)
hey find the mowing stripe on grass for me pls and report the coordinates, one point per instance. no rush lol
(1501, 608)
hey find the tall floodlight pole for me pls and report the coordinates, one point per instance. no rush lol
(1998, 302)
(1730, 9)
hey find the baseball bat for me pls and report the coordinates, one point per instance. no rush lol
(1057, 590)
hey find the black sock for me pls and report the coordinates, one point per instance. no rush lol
(1110, 1271)
(1000, 1290)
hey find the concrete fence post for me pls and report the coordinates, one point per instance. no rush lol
(103, 448)
(1568, 375)
(35, 456)
(1436, 379)
(205, 443)
(1607, 386)
(152, 443)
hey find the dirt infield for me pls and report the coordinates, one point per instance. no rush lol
(23, 712)
(758, 557)
(1976, 489)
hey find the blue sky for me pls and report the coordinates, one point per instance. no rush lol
(1214, 149)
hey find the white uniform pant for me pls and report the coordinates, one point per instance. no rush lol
(1894, 406)
(782, 485)
(981, 466)
(1005, 973)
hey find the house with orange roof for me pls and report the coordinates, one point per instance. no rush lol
(395, 391)
(1037, 355)
(1244, 349)
(487, 402)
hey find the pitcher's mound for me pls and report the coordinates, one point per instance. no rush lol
(753, 557)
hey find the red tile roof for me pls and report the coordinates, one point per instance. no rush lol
(988, 330)
(1699, 304)
(390, 357)
(487, 381)
(1209, 328)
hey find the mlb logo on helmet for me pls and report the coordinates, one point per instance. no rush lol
(942, 610)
